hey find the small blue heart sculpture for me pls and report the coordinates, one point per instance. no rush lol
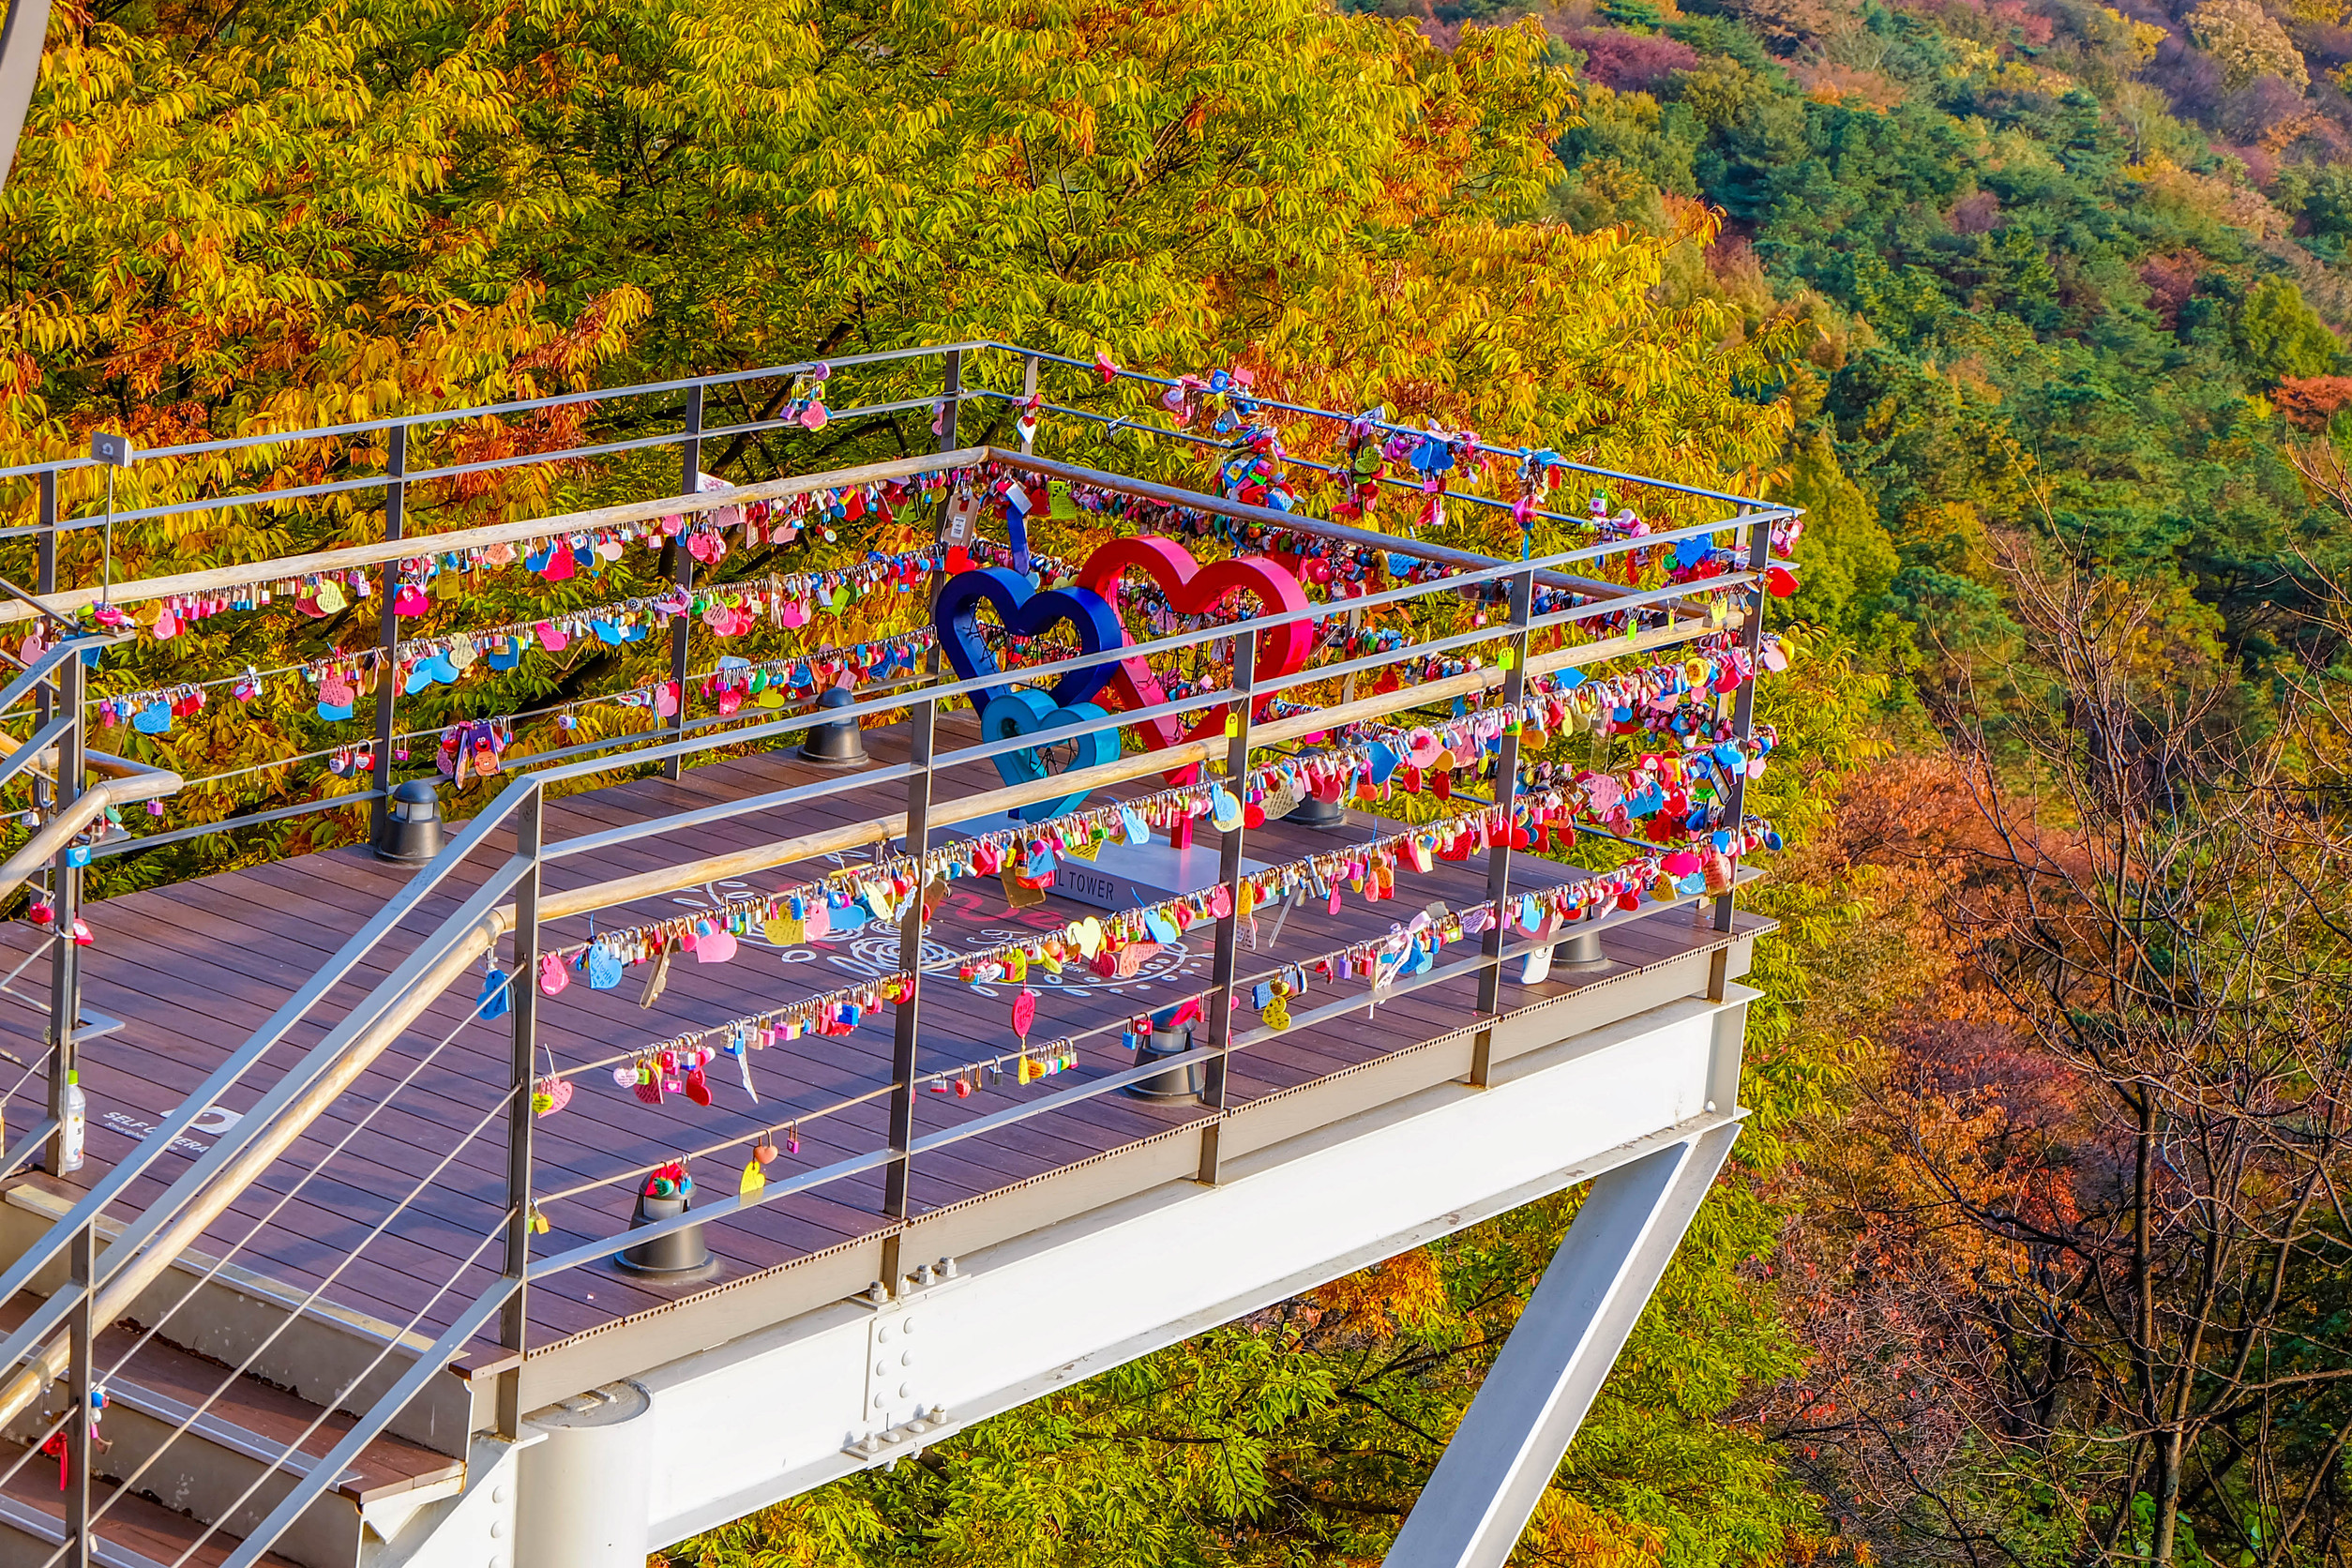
(1029, 712)
(1022, 609)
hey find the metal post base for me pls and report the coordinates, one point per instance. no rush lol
(584, 1489)
(1580, 954)
(1177, 1083)
(1327, 815)
(1504, 1453)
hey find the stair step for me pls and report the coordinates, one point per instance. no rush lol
(239, 1440)
(132, 1532)
(312, 1347)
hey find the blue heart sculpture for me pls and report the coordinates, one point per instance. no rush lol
(1028, 712)
(1022, 609)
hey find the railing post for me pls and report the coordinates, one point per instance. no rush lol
(1347, 682)
(81, 1381)
(1029, 390)
(898, 1177)
(682, 566)
(45, 584)
(388, 630)
(64, 957)
(1228, 959)
(1505, 795)
(1743, 711)
(951, 398)
(522, 993)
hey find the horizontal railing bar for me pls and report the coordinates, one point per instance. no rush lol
(1493, 633)
(595, 1252)
(252, 819)
(1495, 502)
(1400, 430)
(349, 557)
(478, 411)
(1092, 1088)
(1299, 521)
(882, 829)
(797, 795)
(449, 470)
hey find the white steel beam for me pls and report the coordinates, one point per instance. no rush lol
(792, 1405)
(1503, 1454)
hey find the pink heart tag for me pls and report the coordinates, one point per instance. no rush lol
(666, 699)
(557, 1091)
(717, 948)
(166, 626)
(814, 415)
(795, 613)
(551, 636)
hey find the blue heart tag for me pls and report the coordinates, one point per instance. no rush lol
(493, 1002)
(604, 968)
(1023, 611)
(1029, 712)
(153, 719)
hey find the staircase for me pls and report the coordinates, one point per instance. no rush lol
(189, 1465)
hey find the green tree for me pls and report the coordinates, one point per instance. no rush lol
(2283, 335)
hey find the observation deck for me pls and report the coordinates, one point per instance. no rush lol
(369, 1248)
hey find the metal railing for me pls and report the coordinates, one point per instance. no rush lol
(512, 904)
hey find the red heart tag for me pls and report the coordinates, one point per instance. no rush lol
(1193, 589)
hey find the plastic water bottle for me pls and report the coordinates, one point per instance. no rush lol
(77, 1116)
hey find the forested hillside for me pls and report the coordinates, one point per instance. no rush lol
(2074, 268)
(2035, 1250)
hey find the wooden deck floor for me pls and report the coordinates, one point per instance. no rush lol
(193, 969)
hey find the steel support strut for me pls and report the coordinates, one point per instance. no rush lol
(1486, 1483)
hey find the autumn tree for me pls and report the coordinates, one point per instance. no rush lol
(2084, 1256)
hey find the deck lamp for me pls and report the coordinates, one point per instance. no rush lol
(410, 834)
(838, 744)
(1171, 1035)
